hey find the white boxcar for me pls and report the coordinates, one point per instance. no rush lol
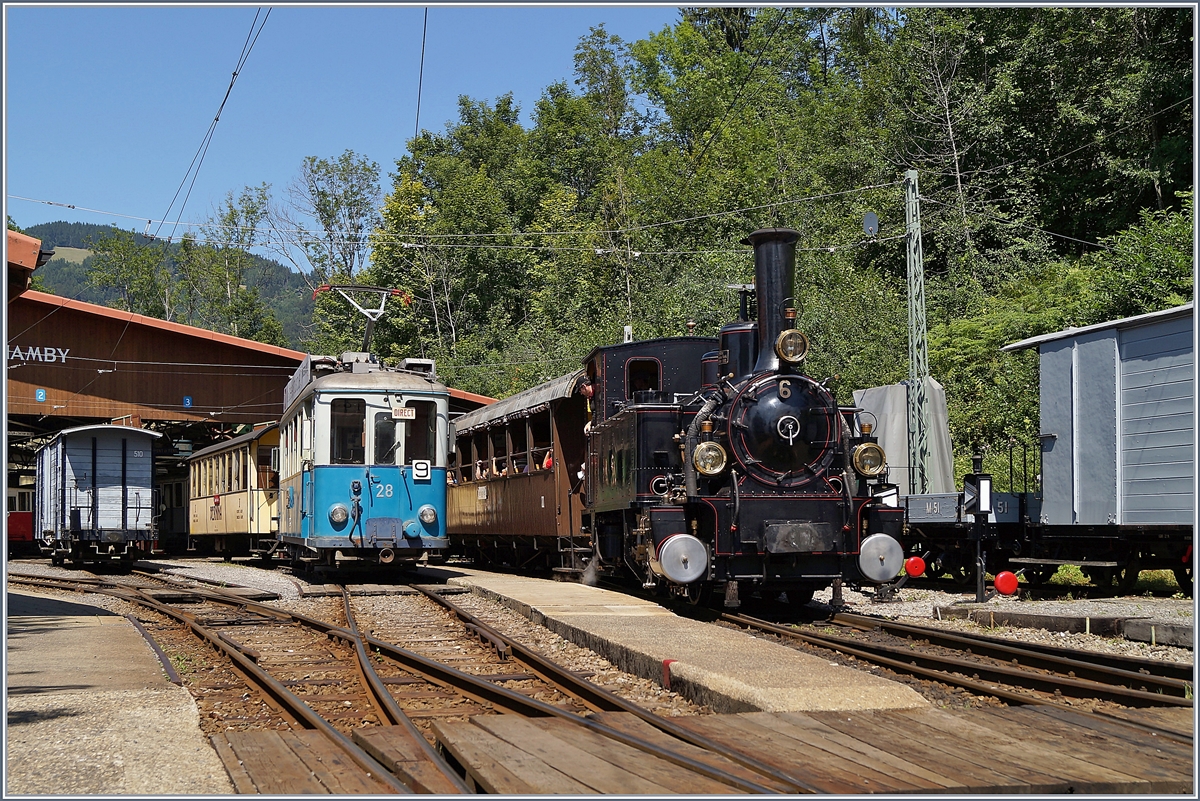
(94, 497)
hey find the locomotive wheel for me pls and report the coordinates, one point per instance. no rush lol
(799, 597)
(699, 593)
(1183, 577)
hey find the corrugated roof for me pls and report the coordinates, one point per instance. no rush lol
(1125, 322)
(520, 405)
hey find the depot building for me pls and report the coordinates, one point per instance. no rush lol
(71, 363)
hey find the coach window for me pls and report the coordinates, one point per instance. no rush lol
(466, 465)
(479, 451)
(499, 451)
(640, 374)
(346, 426)
(541, 445)
(520, 445)
(420, 434)
(267, 478)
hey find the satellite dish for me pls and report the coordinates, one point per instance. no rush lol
(870, 224)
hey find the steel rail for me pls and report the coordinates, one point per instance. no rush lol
(290, 703)
(391, 710)
(1069, 669)
(172, 674)
(907, 666)
(597, 698)
(1142, 670)
(512, 701)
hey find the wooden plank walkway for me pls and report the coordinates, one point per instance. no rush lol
(291, 763)
(1014, 750)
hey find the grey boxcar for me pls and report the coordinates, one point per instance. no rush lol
(1117, 409)
(94, 497)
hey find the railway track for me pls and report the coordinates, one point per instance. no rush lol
(351, 689)
(1017, 673)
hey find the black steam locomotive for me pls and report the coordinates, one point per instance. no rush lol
(697, 464)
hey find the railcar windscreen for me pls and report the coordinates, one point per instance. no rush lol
(347, 418)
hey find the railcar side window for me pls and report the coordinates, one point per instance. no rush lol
(420, 435)
(385, 438)
(347, 419)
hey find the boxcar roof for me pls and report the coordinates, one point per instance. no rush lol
(108, 427)
(520, 405)
(1126, 322)
(241, 439)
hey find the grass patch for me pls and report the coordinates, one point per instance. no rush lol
(73, 255)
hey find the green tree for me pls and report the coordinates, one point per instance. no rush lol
(139, 274)
(332, 206)
(1150, 266)
(12, 224)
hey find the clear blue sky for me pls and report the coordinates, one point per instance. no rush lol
(106, 107)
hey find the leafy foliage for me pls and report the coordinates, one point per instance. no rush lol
(1053, 147)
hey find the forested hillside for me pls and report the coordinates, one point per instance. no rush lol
(291, 299)
(1053, 148)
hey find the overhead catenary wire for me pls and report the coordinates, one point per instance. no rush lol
(1015, 224)
(202, 151)
(492, 234)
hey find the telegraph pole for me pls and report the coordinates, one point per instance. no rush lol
(918, 350)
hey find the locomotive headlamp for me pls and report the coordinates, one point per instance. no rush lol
(709, 458)
(869, 459)
(791, 346)
(428, 515)
(338, 514)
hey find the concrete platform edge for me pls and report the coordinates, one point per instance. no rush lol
(1139, 629)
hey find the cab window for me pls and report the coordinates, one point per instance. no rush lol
(420, 434)
(641, 374)
(348, 445)
(385, 438)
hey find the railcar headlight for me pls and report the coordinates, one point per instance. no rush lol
(428, 515)
(791, 346)
(868, 459)
(338, 514)
(709, 458)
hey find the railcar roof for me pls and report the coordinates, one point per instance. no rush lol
(241, 439)
(378, 380)
(520, 405)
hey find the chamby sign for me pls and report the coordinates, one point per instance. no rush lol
(33, 353)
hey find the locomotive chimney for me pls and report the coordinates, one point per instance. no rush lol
(774, 283)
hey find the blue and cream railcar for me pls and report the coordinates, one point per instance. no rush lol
(363, 452)
(94, 496)
(233, 488)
